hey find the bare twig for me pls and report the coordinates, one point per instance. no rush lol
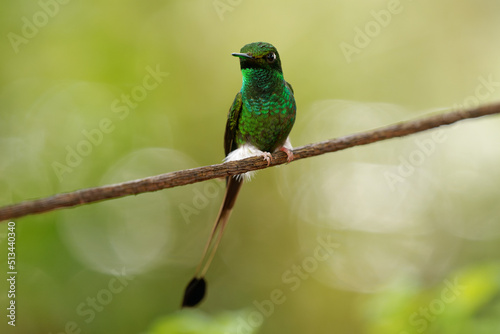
(189, 176)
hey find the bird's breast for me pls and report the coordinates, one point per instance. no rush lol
(266, 120)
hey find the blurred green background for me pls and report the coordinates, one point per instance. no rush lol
(396, 237)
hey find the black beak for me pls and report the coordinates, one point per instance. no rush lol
(242, 55)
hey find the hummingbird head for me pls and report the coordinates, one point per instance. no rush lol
(259, 55)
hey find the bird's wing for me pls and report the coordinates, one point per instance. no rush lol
(232, 124)
(289, 87)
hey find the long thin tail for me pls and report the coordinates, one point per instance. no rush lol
(195, 290)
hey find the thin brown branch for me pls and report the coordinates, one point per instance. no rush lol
(189, 176)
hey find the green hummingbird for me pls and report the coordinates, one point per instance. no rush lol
(258, 123)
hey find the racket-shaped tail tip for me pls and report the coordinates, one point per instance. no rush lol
(195, 292)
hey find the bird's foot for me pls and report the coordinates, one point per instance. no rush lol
(267, 156)
(288, 152)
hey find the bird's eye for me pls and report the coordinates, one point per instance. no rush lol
(271, 57)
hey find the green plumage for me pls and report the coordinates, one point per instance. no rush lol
(262, 115)
(263, 112)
